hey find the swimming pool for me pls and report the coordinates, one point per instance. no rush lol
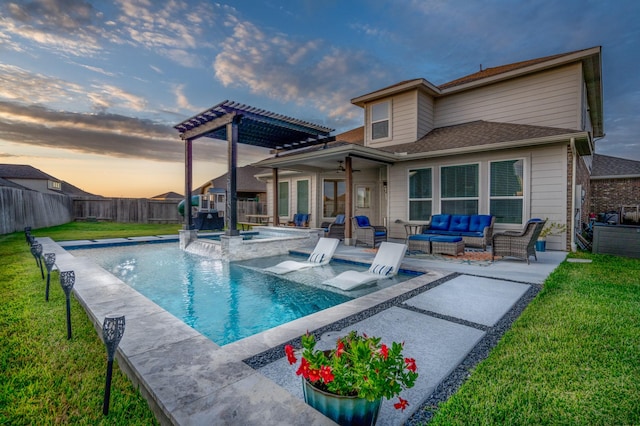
(225, 301)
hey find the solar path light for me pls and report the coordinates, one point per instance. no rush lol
(67, 280)
(49, 261)
(36, 251)
(112, 332)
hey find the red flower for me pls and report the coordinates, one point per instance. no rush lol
(384, 350)
(303, 369)
(411, 364)
(401, 404)
(288, 349)
(340, 348)
(326, 374)
(314, 374)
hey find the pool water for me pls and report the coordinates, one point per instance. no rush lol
(225, 301)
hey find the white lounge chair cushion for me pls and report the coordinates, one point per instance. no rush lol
(321, 255)
(385, 265)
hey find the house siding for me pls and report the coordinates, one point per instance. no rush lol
(425, 114)
(550, 98)
(545, 189)
(404, 121)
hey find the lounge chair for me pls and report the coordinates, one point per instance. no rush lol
(321, 255)
(385, 265)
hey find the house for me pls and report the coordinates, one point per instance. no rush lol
(171, 195)
(615, 186)
(23, 176)
(515, 141)
(248, 188)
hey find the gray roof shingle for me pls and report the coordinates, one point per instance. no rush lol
(604, 165)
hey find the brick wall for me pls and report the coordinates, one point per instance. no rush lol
(611, 194)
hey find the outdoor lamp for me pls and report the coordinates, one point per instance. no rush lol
(36, 251)
(49, 261)
(112, 332)
(67, 280)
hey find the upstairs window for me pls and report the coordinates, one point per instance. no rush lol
(56, 186)
(380, 117)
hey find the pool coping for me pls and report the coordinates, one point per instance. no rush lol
(185, 377)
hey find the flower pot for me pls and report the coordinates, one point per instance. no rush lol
(344, 410)
(541, 245)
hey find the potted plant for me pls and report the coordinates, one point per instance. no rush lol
(347, 383)
(550, 228)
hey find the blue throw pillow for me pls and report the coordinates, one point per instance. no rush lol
(363, 221)
(440, 222)
(478, 222)
(339, 219)
(459, 223)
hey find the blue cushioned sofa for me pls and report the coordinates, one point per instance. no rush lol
(476, 230)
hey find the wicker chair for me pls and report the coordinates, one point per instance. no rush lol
(518, 244)
(365, 233)
(334, 229)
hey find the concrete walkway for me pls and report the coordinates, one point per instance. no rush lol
(443, 317)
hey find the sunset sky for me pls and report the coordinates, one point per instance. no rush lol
(90, 90)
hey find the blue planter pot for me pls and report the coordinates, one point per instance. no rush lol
(541, 245)
(344, 410)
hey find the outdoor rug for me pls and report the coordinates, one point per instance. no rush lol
(470, 257)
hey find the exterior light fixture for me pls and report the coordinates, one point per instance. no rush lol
(67, 280)
(49, 261)
(36, 251)
(112, 332)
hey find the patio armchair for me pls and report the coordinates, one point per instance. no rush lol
(519, 244)
(334, 229)
(366, 233)
(300, 220)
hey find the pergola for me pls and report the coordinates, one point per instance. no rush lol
(238, 123)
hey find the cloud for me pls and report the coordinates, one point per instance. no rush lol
(59, 25)
(24, 86)
(308, 73)
(182, 101)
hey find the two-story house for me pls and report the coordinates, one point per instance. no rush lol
(513, 141)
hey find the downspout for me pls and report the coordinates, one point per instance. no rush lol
(573, 194)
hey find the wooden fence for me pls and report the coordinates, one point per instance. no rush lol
(20, 208)
(126, 210)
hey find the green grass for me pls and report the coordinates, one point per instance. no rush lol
(45, 378)
(573, 357)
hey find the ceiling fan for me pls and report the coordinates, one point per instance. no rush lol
(342, 169)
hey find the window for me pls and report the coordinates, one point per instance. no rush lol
(420, 194)
(56, 186)
(380, 120)
(506, 193)
(302, 191)
(283, 198)
(333, 197)
(363, 197)
(459, 189)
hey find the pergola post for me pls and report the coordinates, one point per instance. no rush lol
(232, 196)
(348, 199)
(188, 183)
(276, 196)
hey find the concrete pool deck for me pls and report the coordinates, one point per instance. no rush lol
(444, 314)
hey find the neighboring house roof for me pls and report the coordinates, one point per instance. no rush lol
(605, 166)
(245, 180)
(24, 171)
(168, 196)
(475, 133)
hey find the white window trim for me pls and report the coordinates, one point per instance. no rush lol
(389, 119)
(525, 185)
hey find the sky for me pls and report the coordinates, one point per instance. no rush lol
(90, 89)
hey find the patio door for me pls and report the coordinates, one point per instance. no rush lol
(365, 201)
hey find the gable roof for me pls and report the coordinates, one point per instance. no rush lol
(605, 166)
(245, 177)
(168, 196)
(589, 58)
(474, 134)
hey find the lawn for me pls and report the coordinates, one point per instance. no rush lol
(573, 357)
